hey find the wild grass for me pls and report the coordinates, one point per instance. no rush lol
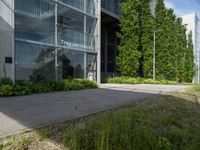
(163, 123)
(195, 90)
(14, 143)
(129, 80)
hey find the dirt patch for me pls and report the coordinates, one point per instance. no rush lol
(45, 145)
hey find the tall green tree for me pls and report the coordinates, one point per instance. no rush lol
(180, 43)
(164, 38)
(171, 44)
(189, 66)
(145, 37)
(128, 58)
(174, 51)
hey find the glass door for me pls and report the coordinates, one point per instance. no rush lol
(91, 69)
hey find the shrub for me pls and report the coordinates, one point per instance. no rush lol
(6, 90)
(48, 86)
(41, 88)
(59, 86)
(72, 85)
(6, 81)
(26, 87)
(21, 90)
(78, 84)
(89, 84)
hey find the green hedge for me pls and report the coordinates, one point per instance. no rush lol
(5, 81)
(22, 88)
(129, 80)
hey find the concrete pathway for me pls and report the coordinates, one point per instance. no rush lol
(28, 112)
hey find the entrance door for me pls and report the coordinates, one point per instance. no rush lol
(91, 69)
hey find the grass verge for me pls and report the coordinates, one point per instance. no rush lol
(129, 80)
(166, 122)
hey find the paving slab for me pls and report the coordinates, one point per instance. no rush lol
(18, 114)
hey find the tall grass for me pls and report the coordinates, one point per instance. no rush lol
(162, 124)
(195, 90)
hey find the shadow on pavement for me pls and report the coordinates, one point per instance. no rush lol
(27, 112)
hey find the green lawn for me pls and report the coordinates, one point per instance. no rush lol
(163, 123)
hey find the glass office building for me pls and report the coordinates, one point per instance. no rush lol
(55, 39)
(58, 39)
(110, 11)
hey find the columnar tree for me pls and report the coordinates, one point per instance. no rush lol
(180, 43)
(189, 66)
(128, 59)
(164, 39)
(174, 53)
(145, 38)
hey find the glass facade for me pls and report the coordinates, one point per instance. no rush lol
(55, 39)
(112, 6)
(109, 44)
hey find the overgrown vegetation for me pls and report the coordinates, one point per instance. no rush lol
(7, 88)
(195, 90)
(166, 122)
(174, 50)
(129, 80)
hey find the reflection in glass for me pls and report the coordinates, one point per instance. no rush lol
(71, 32)
(70, 28)
(35, 20)
(90, 4)
(79, 4)
(34, 61)
(35, 38)
(71, 64)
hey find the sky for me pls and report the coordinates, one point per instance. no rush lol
(183, 7)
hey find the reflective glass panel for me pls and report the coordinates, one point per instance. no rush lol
(71, 64)
(79, 4)
(34, 62)
(70, 28)
(90, 7)
(35, 20)
(90, 33)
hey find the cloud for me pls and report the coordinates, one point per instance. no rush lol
(178, 11)
(169, 4)
(182, 7)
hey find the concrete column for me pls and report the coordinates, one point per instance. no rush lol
(7, 39)
(98, 41)
(85, 40)
(85, 65)
(56, 41)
